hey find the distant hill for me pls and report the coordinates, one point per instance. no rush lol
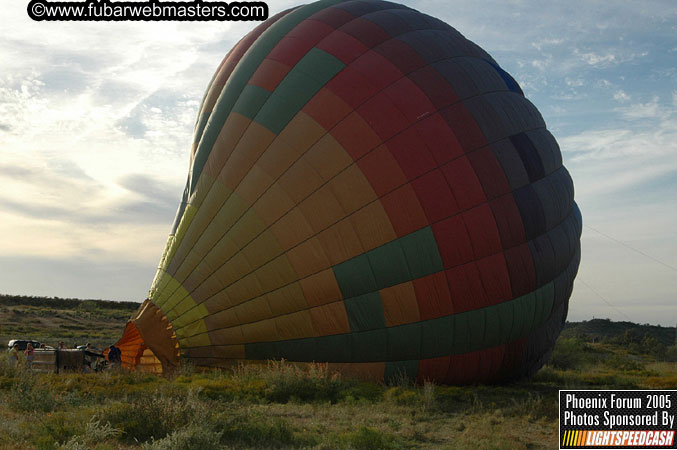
(12, 307)
(65, 303)
(53, 319)
(605, 329)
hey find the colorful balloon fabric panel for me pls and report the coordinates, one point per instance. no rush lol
(369, 188)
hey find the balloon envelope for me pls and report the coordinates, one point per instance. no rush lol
(370, 189)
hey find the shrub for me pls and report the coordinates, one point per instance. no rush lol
(402, 396)
(284, 381)
(548, 374)
(452, 399)
(652, 346)
(362, 392)
(192, 437)
(569, 353)
(623, 363)
(609, 380)
(94, 433)
(26, 395)
(634, 347)
(253, 429)
(222, 390)
(401, 379)
(56, 427)
(153, 416)
(184, 371)
(532, 406)
(367, 438)
(429, 397)
(662, 382)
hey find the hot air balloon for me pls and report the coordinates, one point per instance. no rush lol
(370, 189)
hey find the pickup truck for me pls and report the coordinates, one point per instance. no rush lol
(23, 343)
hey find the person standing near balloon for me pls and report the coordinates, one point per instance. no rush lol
(14, 356)
(114, 355)
(30, 353)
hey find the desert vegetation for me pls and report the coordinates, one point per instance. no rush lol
(53, 319)
(280, 405)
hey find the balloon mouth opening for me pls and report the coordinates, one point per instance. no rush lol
(149, 343)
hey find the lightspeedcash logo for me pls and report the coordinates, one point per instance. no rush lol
(617, 438)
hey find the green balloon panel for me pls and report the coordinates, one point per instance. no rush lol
(370, 189)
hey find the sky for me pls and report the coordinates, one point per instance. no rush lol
(96, 121)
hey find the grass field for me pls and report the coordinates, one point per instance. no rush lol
(282, 406)
(75, 322)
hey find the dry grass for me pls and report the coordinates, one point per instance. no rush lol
(274, 406)
(99, 325)
(282, 405)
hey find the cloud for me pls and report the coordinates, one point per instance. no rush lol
(52, 206)
(116, 92)
(104, 213)
(55, 177)
(133, 125)
(95, 136)
(43, 210)
(68, 169)
(65, 79)
(164, 116)
(541, 64)
(625, 178)
(15, 172)
(96, 122)
(574, 82)
(620, 158)
(595, 59)
(547, 42)
(107, 214)
(648, 129)
(98, 278)
(651, 110)
(621, 96)
(147, 187)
